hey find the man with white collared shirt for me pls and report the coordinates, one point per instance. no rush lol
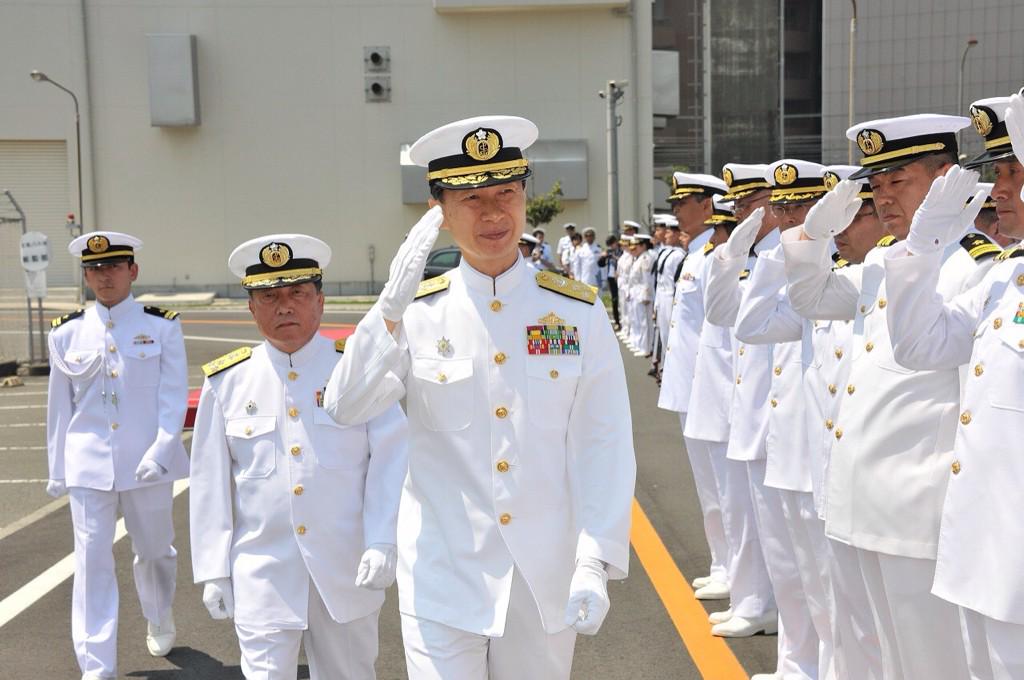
(115, 408)
(509, 378)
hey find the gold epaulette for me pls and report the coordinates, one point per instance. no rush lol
(839, 261)
(886, 241)
(67, 317)
(230, 359)
(745, 274)
(339, 345)
(979, 246)
(432, 286)
(708, 247)
(1016, 251)
(576, 290)
(163, 313)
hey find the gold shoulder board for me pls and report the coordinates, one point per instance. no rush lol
(163, 313)
(745, 274)
(432, 286)
(1016, 251)
(67, 317)
(708, 247)
(840, 261)
(567, 287)
(339, 345)
(886, 241)
(979, 246)
(227, 361)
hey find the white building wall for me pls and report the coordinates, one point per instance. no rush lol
(287, 142)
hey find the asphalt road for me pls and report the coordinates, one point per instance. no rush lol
(639, 640)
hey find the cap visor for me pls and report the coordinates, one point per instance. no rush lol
(988, 157)
(487, 179)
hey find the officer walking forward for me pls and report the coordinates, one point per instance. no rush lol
(115, 408)
(284, 501)
(516, 510)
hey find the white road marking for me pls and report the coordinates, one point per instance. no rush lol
(234, 341)
(23, 481)
(41, 585)
(42, 512)
(3, 425)
(22, 448)
(15, 392)
(21, 408)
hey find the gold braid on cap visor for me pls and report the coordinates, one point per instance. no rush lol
(459, 175)
(108, 254)
(284, 277)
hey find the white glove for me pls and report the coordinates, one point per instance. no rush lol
(742, 237)
(56, 488)
(945, 214)
(1015, 128)
(377, 568)
(407, 268)
(588, 597)
(834, 212)
(219, 599)
(149, 471)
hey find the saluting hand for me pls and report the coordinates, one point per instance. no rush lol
(377, 568)
(834, 212)
(406, 270)
(742, 237)
(588, 597)
(945, 213)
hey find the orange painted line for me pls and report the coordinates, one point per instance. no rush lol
(250, 322)
(710, 654)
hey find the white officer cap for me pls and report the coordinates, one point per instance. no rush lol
(685, 184)
(722, 213)
(540, 229)
(669, 221)
(278, 260)
(743, 179)
(795, 181)
(631, 223)
(475, 152)
(891, 143)
(569, 225)
(989, 118)
(104, 247)
(834, 174)
(589, 230)
(529, 240)
(641, 237)
(987, 187)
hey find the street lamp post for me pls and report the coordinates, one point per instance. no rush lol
(853, 44)
(971, 42)
(41, 77)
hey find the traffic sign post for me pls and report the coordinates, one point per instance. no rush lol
(35, 258)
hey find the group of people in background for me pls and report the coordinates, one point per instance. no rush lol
(844, 347)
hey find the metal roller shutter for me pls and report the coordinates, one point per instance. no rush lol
(36, 174)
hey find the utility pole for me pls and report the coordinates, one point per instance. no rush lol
(612, 94)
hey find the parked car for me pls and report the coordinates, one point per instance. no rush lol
(441, 260)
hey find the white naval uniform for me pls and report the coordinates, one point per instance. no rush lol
(284, 501)
(853, 627)
(564, 250)
(667, 264)
(625, 264)
(683, 318)
(707, 428)
(584, 265)
(766, 317)
(543, 476)
(887, 481)
(641, 284)
(798, 644)
(117, 394)
(980, 556)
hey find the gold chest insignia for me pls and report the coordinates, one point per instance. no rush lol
(870, 141)
(444, 347)
(551, 319)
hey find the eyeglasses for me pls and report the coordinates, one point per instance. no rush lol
(788, 209)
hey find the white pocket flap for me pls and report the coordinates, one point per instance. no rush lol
(442, 371)
(249, 426)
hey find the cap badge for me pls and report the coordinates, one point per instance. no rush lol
(982, 120)
(830, 180)
(482, 145)
(98, 244)
(785, 174)
(870, 141)
(675, 184)
(727, 176)
(276, 255)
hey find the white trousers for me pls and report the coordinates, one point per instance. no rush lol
(664, 319)
(434, 651)
(995, 649)
(750, 589)
(335, 651)
(94, 599)
(857, 648)
(919, 633)
(807, 533)
(706, 479)
(798, 641)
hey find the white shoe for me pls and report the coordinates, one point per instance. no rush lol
(700, 581)
(714, 618)
(738, 626)
(160, 637)
(716, 590)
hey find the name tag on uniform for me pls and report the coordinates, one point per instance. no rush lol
(552, 339)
